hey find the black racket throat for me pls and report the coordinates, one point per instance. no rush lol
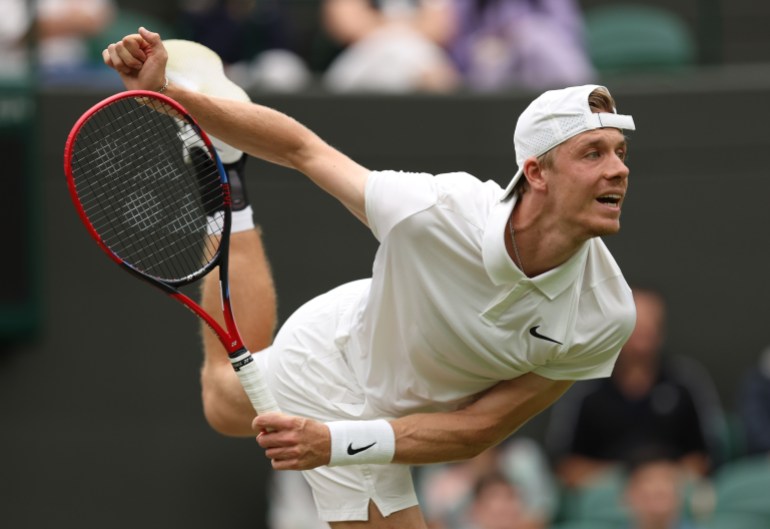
(240, 358)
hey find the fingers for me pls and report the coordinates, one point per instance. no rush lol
(133, 51)
(282, 453)
(155, 45)
(151, 37)
(126, 56)
(272, 421)
(280, 439)
(292, 443)
(139, 58)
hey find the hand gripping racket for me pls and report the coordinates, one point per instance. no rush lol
(156, 209)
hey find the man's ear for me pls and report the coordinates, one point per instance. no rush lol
(533, 172)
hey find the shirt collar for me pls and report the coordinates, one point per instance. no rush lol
(501, 268)
(497, 262)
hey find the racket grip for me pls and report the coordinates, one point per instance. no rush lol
(253, 382)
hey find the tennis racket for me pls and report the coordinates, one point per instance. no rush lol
(151, 190)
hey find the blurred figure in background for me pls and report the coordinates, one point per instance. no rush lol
(754, 406)
(61, 29)
(14, 32)
(655, 492)
(530, 44)
(254, 38)
(64, 26)
(652, 399)
(236, 29)
(390, 45)
(498, 504)
(514, 477)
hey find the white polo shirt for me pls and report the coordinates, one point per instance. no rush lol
(448, 314)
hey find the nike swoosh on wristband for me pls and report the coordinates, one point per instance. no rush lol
(353, 451)
(533, 332)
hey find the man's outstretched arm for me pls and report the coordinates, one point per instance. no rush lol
(294, 443)
(141, 59)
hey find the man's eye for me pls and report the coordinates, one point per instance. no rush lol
(592, 154)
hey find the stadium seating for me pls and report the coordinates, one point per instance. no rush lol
(626, 37)
(743, 489)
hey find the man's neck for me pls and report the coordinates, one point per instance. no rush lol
(542, 243)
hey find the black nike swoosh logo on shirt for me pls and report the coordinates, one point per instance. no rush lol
(353, 451)
(533, 332)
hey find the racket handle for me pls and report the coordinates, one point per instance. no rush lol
(253, 382)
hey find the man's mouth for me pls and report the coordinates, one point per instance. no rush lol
(610, 199)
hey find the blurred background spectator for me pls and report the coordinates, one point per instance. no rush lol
(530, 44)
(439, 45)
(63, 28)
(255, 40)
(59, 29)
(514, 477)
(498, 504)
(236, 29)
(14, 34)
(653, 398)
(655, 490)
(753, 408)
(390, 45)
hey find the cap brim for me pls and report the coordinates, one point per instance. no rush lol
(512, 184)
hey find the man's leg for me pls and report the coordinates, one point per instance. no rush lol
(225, 403)
(253, 298)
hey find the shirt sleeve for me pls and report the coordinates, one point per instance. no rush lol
(392, 196)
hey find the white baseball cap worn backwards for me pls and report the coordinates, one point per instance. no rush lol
(553, 118)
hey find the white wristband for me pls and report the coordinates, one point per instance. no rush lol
(361, 442)
(242, 220)
(215, 223)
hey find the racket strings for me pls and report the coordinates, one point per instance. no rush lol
(143, 209)
(151, 202)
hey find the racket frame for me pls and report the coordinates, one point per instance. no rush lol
(242, 361)
(228, 335)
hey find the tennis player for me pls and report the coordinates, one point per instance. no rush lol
(484, 305)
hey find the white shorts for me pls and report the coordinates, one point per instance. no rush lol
(309, 377)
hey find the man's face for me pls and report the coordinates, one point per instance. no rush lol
(654, 494)
(588, 181)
